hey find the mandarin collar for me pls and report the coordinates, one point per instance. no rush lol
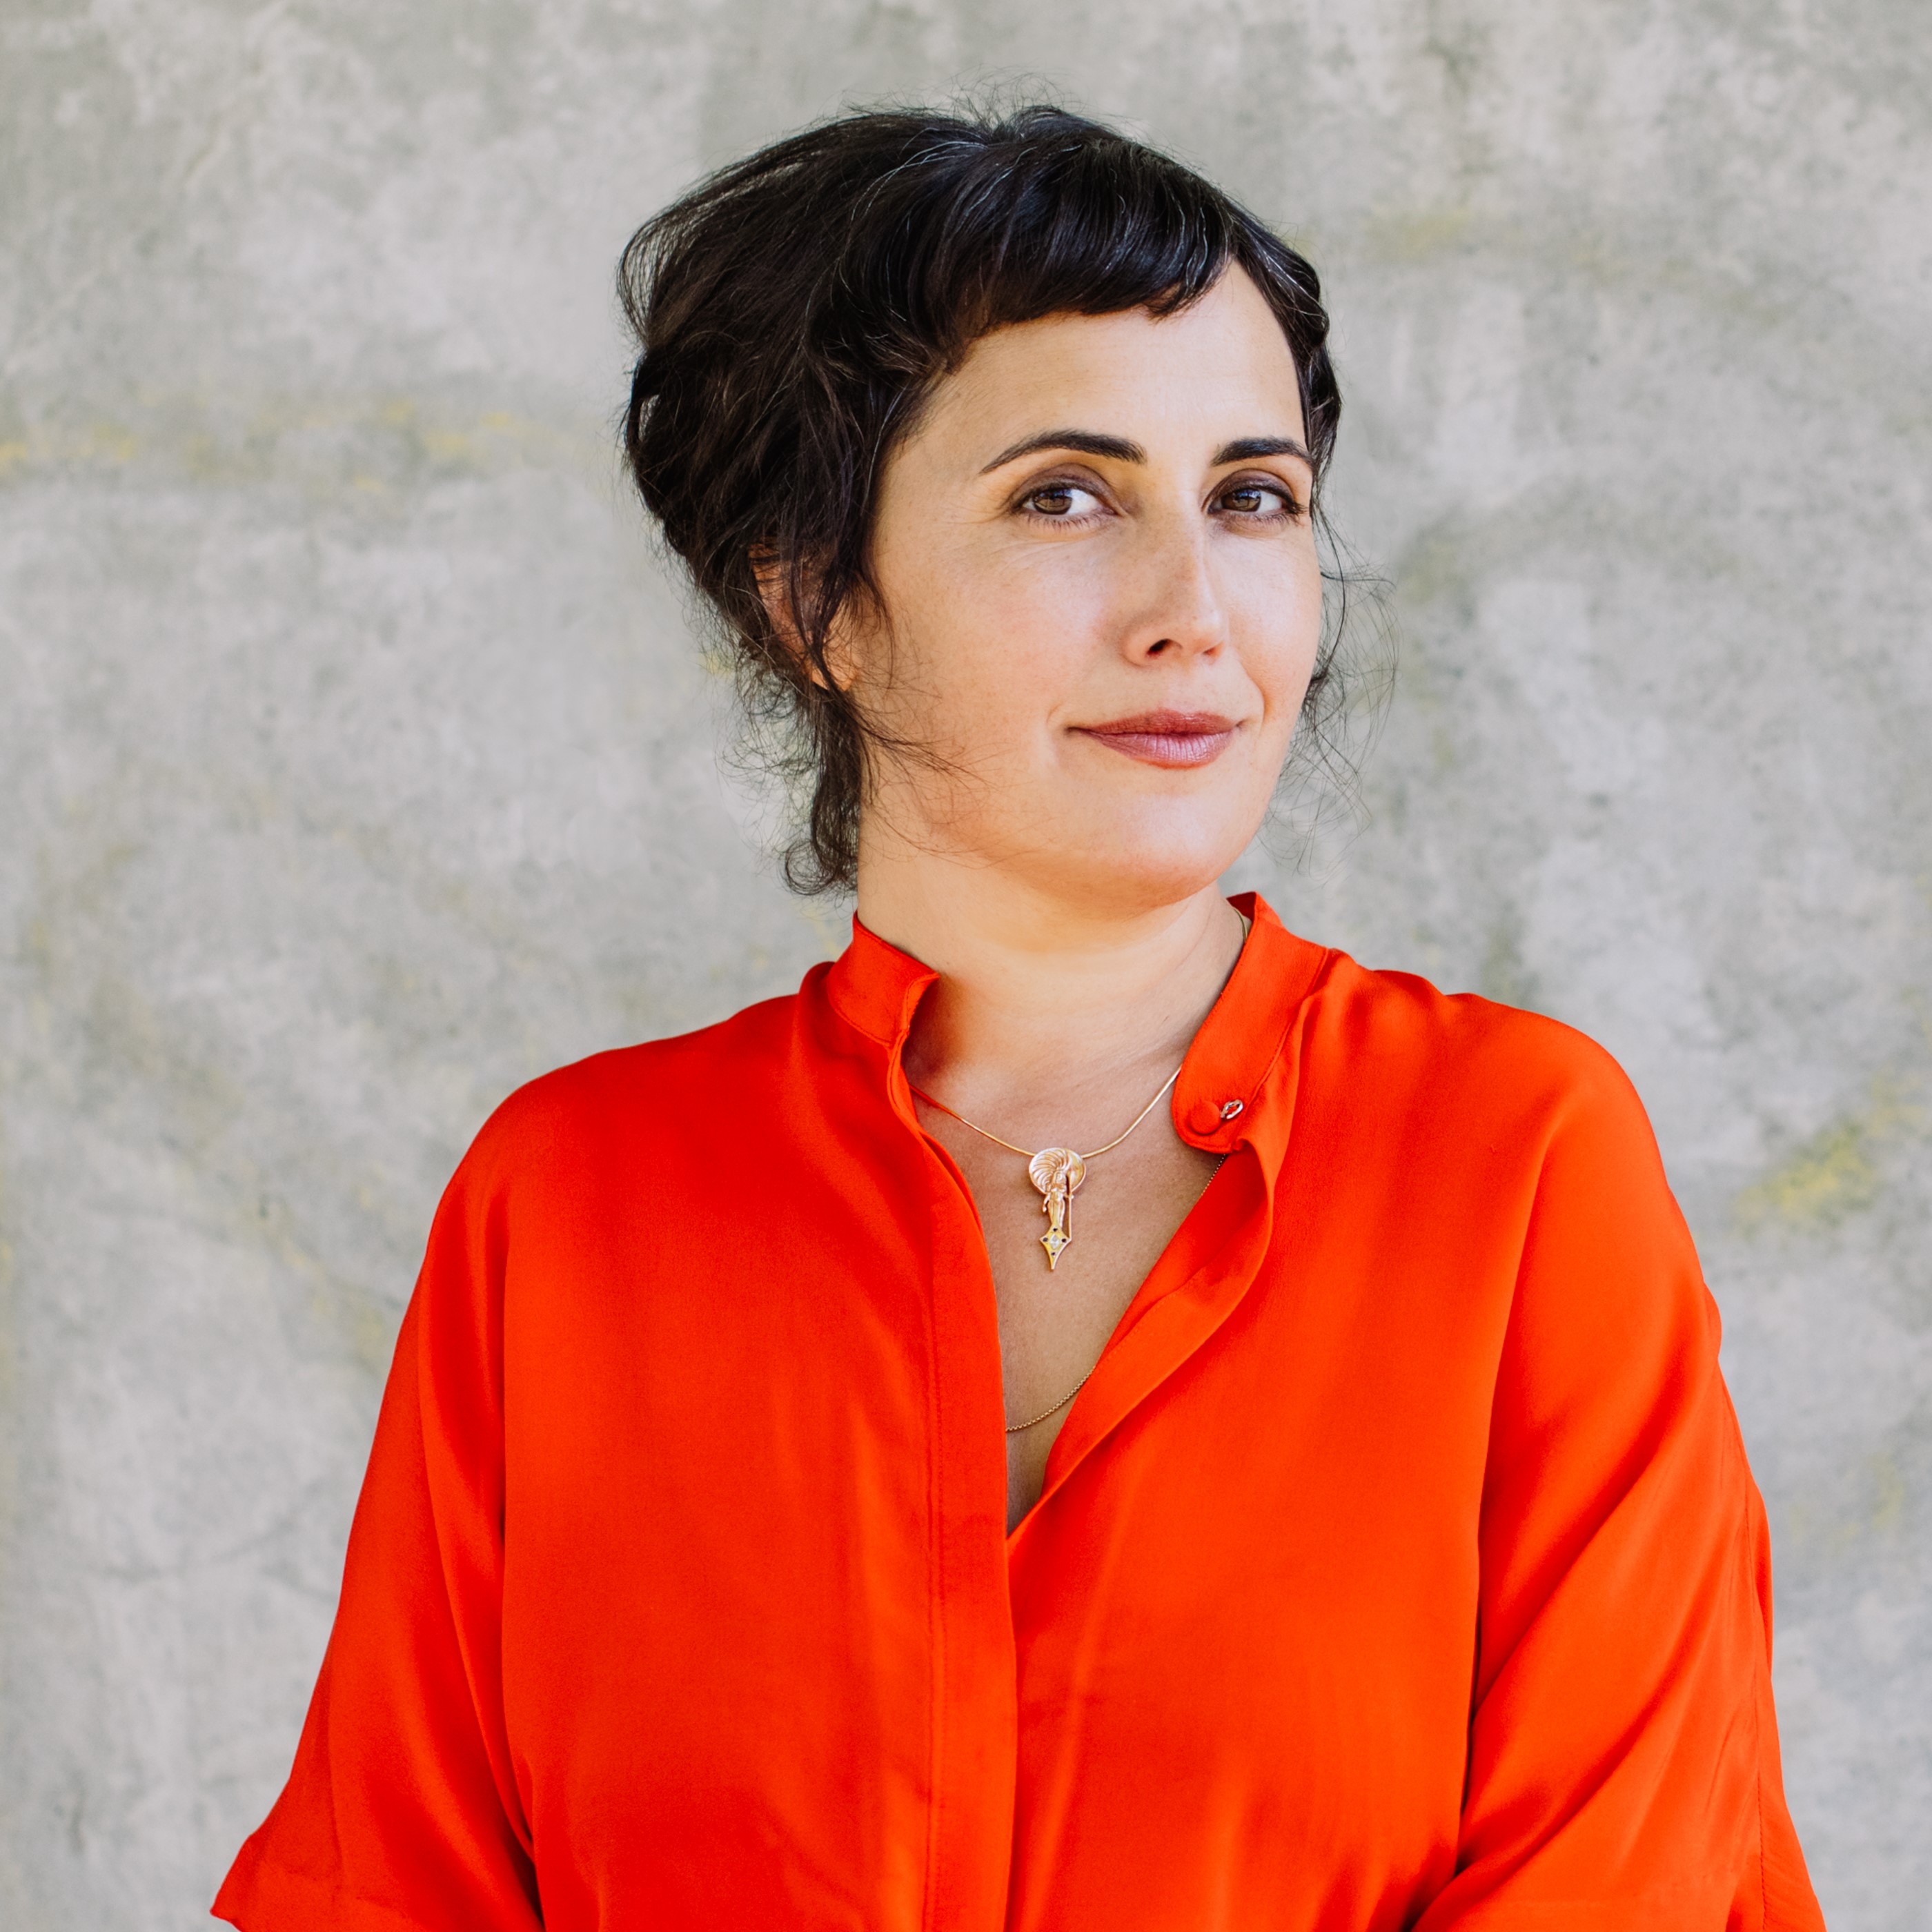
(877, 988)
(1232, 1065)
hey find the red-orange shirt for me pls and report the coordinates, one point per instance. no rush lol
(1398, 1566)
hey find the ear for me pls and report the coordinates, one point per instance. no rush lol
(773, 592)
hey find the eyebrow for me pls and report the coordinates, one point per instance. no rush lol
(1246, 448)
(1090, 443)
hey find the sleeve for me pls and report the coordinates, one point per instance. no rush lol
(402, 1811)
(1623, 1767)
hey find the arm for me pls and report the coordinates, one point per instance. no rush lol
(1623, 1752)
(402, 1813)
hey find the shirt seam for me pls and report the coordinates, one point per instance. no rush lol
(936, 1543)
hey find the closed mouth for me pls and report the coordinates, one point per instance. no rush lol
(1170, 738)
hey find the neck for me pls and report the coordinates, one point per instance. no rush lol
(1042, 1007)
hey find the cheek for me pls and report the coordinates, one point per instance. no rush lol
(940, 686)
(1277, 631)
(983, 653)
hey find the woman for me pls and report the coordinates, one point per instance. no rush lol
(1096, 1412)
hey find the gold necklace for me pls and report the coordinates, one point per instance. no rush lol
(1057, 1172)
(1020, 1428)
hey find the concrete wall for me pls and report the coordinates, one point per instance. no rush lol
(358, 765)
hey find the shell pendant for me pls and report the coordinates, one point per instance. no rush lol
(1057, 1173)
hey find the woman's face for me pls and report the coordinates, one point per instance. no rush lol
(1098, 603)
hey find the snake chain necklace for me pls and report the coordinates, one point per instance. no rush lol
(1057, 1172)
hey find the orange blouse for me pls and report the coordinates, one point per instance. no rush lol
(1398, 1566)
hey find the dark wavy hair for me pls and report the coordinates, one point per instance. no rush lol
(793, 311)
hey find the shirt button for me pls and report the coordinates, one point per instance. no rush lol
(1204, 1118)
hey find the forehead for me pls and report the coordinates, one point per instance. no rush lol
(1219, 369)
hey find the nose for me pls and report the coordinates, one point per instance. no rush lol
(1172, 607)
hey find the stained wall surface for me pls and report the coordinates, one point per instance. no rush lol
(357, 762)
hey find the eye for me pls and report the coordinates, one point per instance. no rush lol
(1257, 499)
(1061, 502)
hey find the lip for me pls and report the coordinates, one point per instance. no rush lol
(1172, 739)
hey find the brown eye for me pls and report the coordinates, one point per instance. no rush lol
(1259, 498)
(1052, 499)
(1068, 501)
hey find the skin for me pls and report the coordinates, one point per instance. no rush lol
(1061, 877)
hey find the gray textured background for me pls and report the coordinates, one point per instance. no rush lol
(357, 764)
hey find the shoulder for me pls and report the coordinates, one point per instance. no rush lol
(1476, 1065)
(1519, 1144)
(681, 1089)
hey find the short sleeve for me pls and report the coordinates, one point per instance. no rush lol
(1623, 1763)
(401, 1810)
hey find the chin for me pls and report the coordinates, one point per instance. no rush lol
(1141, 861)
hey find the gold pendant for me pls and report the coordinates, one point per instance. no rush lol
(1057, 1173)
